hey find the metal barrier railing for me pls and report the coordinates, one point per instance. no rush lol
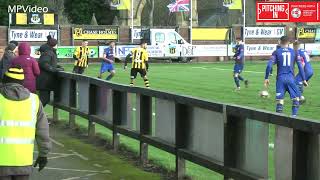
(228, 139)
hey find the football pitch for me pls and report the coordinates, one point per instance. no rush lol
(213, 82)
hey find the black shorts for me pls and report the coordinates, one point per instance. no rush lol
(78, 70)
(135, 71)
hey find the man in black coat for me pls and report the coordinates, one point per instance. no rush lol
(9, 54)
(48, 71)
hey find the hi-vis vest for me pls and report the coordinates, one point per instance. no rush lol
(17, 130)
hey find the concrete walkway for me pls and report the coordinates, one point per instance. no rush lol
(73, 159)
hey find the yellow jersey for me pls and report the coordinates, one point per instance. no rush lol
(82, 54)
(139, 58)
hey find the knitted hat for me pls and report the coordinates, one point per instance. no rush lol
(14, 42)
(15, 73)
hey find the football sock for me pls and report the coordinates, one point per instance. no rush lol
(295, 107)
(279, 108)
(236, 80)
(240, 78)
(301, 88)
(146, 82)
(109, 77)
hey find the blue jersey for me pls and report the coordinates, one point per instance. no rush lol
(109, 53)
(239, 55)
(307, 66)
(285, 58)
(305, 59)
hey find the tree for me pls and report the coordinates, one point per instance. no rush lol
(151, 5)
(59, 9)
(80, 11)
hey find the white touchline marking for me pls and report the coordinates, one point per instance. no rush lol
(258, 72)
(62, 156)
(88, 175)
(55, 153)
(79, 155)
(271, 145)
(222, 69)
(97, 165)
(56, 142)
(78, 170)
(198, 67)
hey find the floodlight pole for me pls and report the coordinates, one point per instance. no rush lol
(244, 28)
(131, 21)
(10, 21)
(244, 21)
(190, 21)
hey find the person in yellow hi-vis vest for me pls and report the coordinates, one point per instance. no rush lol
(81, 56)
(22, 121)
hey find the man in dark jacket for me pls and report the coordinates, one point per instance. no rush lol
(22, 120)
(45, 46)
(46, 81)
(8, 55)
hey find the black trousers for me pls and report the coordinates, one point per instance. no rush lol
(24, 177)
(78, 70)
(44, 97)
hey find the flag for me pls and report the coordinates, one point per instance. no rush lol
(120, 4)
(233, 4)
(179, 6)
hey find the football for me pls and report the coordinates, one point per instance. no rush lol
(264, 94)
(302, 99)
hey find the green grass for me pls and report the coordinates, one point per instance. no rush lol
(117, 165)
(213, 82)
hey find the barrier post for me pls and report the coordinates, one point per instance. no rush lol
(145, 124)
(55, 114)
(72, 102)
(117, 113)
(183, 116)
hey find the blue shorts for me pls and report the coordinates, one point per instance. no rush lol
(287, 83)
(106, 67)
(238, 68)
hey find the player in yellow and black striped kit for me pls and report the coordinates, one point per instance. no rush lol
(81, 55)
(140, 64)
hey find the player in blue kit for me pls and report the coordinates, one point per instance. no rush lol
(107, 61)
(239, 64)
(306, 64)
(285, 58)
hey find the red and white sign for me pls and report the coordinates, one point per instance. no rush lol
(288, 12)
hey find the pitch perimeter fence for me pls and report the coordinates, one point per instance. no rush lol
(228, 139)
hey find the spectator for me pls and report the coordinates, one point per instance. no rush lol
(17, 44)
(14, 42)
(29, 65)
(8, 55)
(46, 81)
(45, 46)
(18, 107)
